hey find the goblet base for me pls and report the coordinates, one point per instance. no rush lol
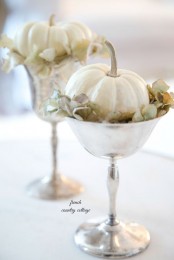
(122, 240)
(48, 188)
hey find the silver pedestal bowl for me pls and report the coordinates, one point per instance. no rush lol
(55, 186)
(109, 237)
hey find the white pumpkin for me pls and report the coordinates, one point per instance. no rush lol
(114, 91)
(63, 36)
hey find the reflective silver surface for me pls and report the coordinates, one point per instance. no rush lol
(108, 237)
(55, 186)
(48, 188)
(97, 238)
(112, 140)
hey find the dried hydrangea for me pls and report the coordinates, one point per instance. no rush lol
(81, 108)
(44, 61)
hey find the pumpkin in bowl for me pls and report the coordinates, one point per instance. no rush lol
(102, 94)
(45, 45)
(116, 92)
(62, 38)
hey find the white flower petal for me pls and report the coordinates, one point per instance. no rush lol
(48, 54)
(11, 62)
(6, 42)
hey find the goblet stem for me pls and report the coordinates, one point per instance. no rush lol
(112, 238)
(54, 143)
(112, 185)
(55, 186)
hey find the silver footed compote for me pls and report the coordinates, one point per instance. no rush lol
(54, 186)
(109, 237)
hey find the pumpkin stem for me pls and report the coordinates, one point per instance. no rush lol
(52, 20)
(113, 71)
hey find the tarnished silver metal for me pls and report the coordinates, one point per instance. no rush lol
(108, 237)
(55, 186)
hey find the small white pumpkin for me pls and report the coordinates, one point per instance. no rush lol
(64, 37)
(48, 45)
(113, 91)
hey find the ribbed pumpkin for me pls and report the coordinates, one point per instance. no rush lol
(113, 91)
(63, 36)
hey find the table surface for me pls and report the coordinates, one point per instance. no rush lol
(32, 229)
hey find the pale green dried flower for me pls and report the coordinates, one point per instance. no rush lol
(137, 117)
(160, 86)
(80, 50)
(6, 42)
(149, 112)
(44, 61)
(12, 61)
(159, 96)
(81, 108)
(48, 54)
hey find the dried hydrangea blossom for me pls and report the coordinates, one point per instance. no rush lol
(81, 108)
(45, 60)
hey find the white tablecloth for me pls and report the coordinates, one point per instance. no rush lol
(32, 229)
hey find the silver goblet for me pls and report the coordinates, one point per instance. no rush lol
(54, 186)
(109, 237)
